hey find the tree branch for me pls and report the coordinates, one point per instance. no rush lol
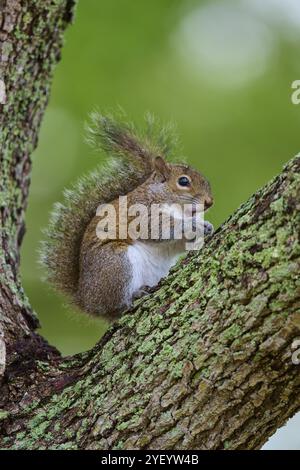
(204, 361)
(31, 35)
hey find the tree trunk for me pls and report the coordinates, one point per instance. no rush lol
(203, 362)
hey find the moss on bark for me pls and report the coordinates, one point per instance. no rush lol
(204, 361)
(31, 37)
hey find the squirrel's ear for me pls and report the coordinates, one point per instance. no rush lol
(161, 169)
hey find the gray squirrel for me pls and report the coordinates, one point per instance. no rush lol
(102, 277)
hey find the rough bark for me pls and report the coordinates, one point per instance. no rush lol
(31, 34)
(203, 362)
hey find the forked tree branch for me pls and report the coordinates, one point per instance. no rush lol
(204, 362)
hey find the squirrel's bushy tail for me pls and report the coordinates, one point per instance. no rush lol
(130, 163)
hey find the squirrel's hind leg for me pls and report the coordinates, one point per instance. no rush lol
(104, 280)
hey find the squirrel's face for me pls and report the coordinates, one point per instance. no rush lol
(181, 184)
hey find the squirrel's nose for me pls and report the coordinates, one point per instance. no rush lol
(208, 202)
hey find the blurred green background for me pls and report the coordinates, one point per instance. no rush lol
(221, 70)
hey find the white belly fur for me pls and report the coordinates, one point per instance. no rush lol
(150, 262)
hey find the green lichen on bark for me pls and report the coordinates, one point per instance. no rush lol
(31, 35)
(202, 362)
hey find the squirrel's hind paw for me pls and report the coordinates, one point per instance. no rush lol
(144, 290)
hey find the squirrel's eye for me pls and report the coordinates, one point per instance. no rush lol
(184, 181)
